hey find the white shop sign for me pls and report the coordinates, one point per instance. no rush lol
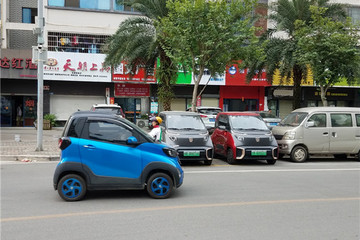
(82, 67)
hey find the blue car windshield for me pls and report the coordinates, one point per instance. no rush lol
(184, 122)
(241, 122)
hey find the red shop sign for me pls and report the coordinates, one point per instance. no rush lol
(132, 90)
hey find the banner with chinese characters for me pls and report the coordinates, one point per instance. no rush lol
(122, 74)
(236, 76)
(17, 64)
(82, 67)
(131, 90)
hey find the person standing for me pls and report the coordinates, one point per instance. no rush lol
(155, 133)
(18, 115)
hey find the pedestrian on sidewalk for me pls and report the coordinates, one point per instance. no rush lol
(19, 115)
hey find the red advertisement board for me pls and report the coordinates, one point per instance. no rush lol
(236, 76)
(122, 74)
(131, 90)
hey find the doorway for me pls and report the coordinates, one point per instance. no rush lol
(241, 105)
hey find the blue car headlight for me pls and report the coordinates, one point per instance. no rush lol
(170, 152)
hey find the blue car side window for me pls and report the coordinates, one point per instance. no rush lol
(108, 132)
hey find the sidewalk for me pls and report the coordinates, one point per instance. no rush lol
(19, 144)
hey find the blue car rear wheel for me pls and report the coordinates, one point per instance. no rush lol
(159, 185)
(72, 187)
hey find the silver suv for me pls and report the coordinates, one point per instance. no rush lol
(108, 108)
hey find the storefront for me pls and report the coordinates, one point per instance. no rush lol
(132, 91)
(336, 96)
(238, 95)
(76, 81)
(18, 88)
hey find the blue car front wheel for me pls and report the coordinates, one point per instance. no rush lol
(72, 187)
(159, 185)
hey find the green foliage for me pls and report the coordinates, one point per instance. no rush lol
(51, 117)
(136, 42)
(330, 48)
(282, 50)
(201, 34)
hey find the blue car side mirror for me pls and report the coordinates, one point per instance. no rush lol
(131, 140)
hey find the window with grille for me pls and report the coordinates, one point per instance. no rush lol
(81, 43)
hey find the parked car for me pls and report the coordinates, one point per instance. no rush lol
(108, 108)
(319, 130)
(186, 132)
(103, 152)
(270, 119)
(243, 135)
(208, 115)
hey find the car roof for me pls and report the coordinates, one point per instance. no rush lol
(178, 113)
(106, 105)
(240, 113)
(327, 109)
(94, 114)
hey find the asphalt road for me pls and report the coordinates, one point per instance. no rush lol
(319, 199)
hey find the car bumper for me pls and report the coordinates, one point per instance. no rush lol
(263, 153)
(194, 153)
(285, 146)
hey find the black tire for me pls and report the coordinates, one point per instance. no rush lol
(160, 186)
(281, 156)
(299, 154)
(72, 187)
(358, 156)
(230, 156)
(340, 156)
(271, 161)
(207, 162)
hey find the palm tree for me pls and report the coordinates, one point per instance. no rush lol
(281, 51)
(136, 43)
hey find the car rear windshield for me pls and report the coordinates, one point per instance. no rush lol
(267, 115)
(108, 110)
(209, 111)
(184, 122)
(240, 122)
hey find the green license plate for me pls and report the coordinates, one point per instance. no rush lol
(258, 153)
(191, 153)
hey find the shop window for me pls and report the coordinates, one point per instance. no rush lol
(28, 15)
(120, 5)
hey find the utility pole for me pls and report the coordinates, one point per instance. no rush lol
(41, 57)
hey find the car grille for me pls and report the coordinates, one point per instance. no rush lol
(191, 141)
(257, 141)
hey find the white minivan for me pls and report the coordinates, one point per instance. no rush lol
(319, 130)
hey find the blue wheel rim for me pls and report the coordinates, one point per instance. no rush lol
(160, 186)
(71, 188)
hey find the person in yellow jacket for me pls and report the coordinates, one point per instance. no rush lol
(156, 131)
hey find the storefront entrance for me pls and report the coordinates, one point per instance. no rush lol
(18, 111)
(241, 105)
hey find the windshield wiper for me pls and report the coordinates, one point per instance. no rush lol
(190, 129)
(174, 128)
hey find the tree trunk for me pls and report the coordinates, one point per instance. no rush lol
(323, 91)
(196, 87)
(166, 78)
(297, 77)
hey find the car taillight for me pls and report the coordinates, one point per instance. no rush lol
(203, 116)
(64, 142)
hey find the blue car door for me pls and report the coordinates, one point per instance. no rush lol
(105, 152)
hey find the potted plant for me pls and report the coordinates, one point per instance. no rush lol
(49, 121)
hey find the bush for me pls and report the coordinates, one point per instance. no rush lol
(51, 118)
